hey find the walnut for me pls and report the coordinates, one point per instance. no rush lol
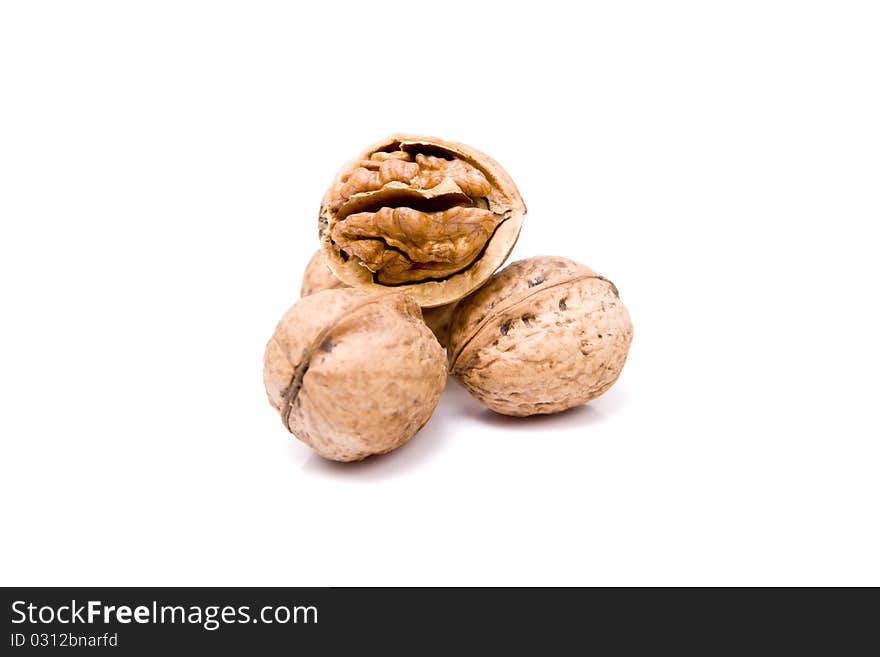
(543, 335)
(354, 372)
(438, 320)
(318, 276)
(429, 217)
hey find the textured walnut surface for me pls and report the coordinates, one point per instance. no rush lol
(376, 204)
(423, 213)
(403, 245)
(545, 334)
(354, 373)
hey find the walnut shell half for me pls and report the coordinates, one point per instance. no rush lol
(429, 217)
(545, 334)
(354, 373)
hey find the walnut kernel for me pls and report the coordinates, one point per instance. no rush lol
(431, 218)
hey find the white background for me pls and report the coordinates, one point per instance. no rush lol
(161, 166)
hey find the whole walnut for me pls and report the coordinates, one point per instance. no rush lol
(420, 215)
(545, 334)
(318, 276)
(353, 372)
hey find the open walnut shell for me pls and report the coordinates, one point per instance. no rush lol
(428, 217)
(353, 373)
(545, 334)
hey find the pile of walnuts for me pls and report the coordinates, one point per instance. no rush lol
(404, 289)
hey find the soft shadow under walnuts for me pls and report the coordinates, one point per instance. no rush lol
(434, 437)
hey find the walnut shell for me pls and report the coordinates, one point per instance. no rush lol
(428, 217)
(318, 276)
(439, 320)
(545, 334)
(354, 373)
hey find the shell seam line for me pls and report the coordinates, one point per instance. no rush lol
(291, 393)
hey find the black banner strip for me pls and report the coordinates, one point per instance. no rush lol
(410, 621)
